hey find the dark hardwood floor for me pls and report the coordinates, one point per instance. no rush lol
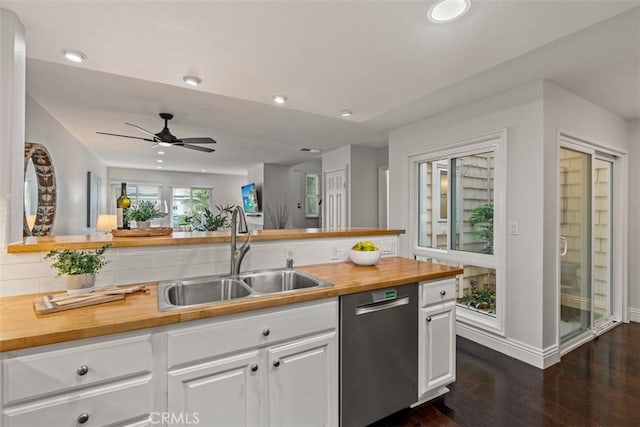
(597, 384)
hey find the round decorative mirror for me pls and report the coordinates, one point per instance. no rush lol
(40, 191)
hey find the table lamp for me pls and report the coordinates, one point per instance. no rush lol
(106, 223)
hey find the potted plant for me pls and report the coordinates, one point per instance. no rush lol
(143, 212)
(205, 220)
(79, 267)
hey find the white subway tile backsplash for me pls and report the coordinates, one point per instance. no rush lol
(29, 273)
(19, 287)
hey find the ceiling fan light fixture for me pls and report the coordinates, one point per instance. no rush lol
(164, 144)
(448, 10)
(279, 99)
(192, 80)
(73, 55)
(345, 113)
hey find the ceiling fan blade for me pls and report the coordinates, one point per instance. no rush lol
(195, 147)
(127, 136)
(204, 140)
(141, 129)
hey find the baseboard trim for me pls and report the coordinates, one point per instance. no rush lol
(634, 314)
(540, 358)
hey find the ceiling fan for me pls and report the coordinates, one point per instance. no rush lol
(167, 139)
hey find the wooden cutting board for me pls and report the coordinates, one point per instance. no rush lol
(46, 304)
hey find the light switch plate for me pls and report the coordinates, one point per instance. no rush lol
(513, 228)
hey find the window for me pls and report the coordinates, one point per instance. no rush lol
(135, 192)
(187, 201)
(311, 196)
(458, 188)
(472, 203)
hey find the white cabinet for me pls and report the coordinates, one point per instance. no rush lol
(224, 392)
(437, 338)
(302, 382)
(276, 368)
(91, 384)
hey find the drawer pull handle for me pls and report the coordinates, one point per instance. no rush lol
(82, 370)
(443, 292)
(83, 418)
(276, 363)
(429, 319)
(254, 368)
(266, 332)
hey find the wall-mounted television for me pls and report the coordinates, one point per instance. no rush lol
(250, 198)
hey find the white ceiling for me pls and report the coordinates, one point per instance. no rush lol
(381, 59)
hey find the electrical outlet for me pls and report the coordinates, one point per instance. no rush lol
(335, 254)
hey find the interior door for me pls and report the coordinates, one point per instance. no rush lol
(336, 204)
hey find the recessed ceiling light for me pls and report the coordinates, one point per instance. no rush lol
(159, 167)
(161, 152)
(164, 144)
(192, 80)
(279, 99)
(203, 170)
(74, 55)
(345, 113)
(448, 10)
(159, 160)
(310, 150)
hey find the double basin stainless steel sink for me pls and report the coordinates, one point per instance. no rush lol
(174, 294)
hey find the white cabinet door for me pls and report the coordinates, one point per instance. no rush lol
(438, 347)
(223, 392)
(303, 382)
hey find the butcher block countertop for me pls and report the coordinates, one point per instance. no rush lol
(21, 328)
(94, 241)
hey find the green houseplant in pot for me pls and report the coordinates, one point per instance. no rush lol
(143, 212)
(79, 267)
(205, 220)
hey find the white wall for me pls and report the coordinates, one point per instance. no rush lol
(71, 162)
(226, 188)
(363, 186)
(634, 224)
(520, 112)
(276, 193)
(12, 119)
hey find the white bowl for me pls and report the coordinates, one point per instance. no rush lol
(364, 257)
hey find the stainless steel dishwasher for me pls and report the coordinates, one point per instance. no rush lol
(378, 354)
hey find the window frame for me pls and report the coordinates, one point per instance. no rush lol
(497, 142)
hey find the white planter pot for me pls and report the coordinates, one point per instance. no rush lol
(143, 225)
(80, 283)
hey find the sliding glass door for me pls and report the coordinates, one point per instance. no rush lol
(585, 241)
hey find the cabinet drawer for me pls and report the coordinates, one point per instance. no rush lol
(100, 406)
(250, 330)
(54, 371)
(438, 291)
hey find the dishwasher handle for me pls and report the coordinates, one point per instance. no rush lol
(378, 306)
